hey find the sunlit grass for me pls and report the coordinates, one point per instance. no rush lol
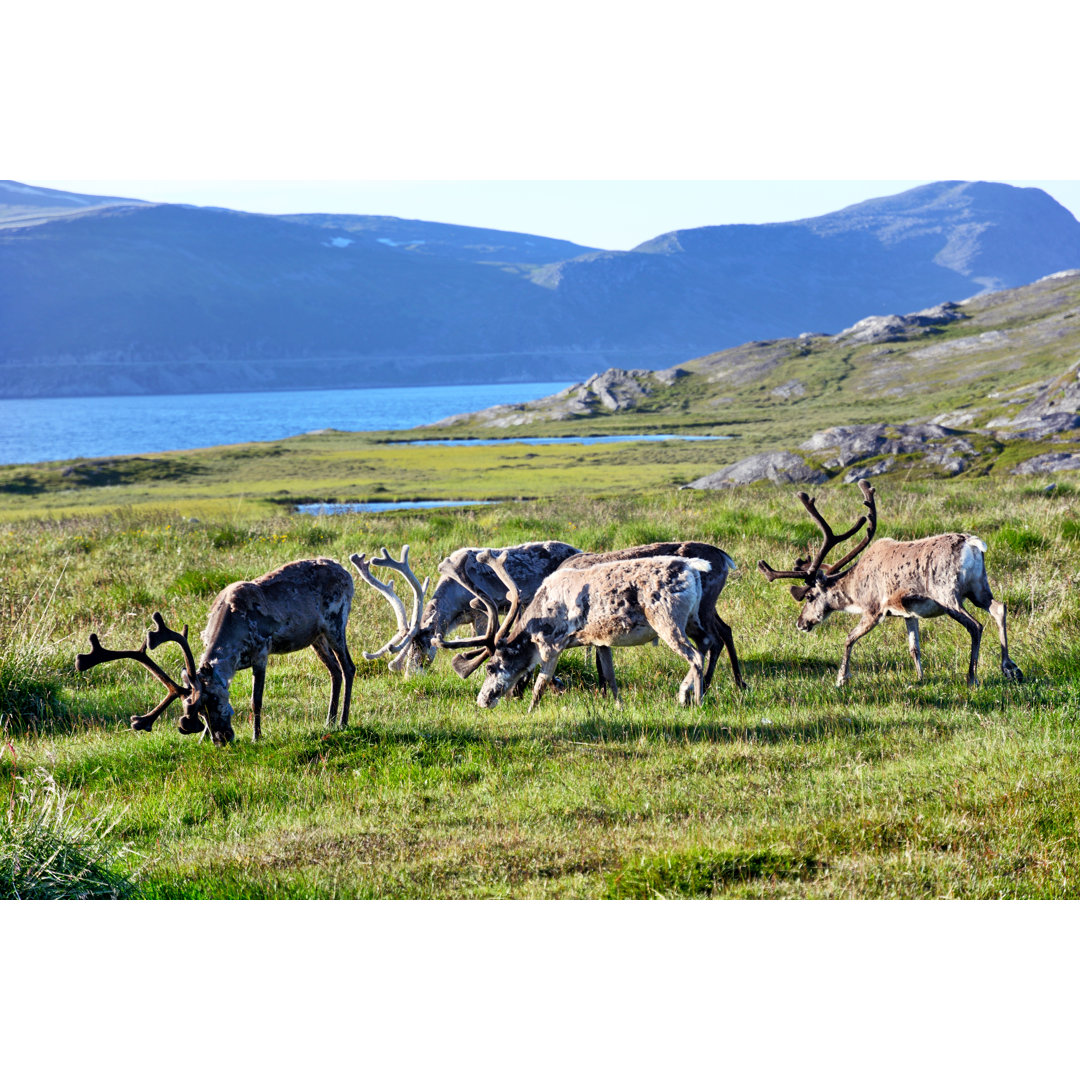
(793, 788)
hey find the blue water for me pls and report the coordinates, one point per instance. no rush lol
(559, 440)
(55, 429)
(382, 507)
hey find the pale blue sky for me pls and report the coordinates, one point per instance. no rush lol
(598, 213)
(328, 106)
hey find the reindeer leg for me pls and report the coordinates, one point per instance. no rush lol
(606, 667)
(326, 655)
(724, 631)
(340, 649)
(983, 598)
(1008, 668)
(867, 623)
(912, 624)
(549, 658)
(975, 630)
(258, 681)
(673, 637)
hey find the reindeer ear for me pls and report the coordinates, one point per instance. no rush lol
(800, 591)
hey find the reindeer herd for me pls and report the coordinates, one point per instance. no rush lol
(524, 605)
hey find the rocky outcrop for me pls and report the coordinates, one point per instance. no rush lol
(1044, 427)
(791, 389)
(617, 389)
(1061, 396)
(881, 328)
(868, 471)
(1047, 463)
(779, 466)
(845, 445)
(614, 390)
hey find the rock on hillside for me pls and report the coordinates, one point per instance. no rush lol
(779, 466)
(1047, 463)
(878, 328)
(611, 391)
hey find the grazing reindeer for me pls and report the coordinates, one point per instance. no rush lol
(909, 579)
(716, 634)
(299, 604)
(454, 601)
(628, 602)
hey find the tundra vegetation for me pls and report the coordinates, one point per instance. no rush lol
(887, 787)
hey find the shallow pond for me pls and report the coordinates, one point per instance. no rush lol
(382, 507)
(567, 440)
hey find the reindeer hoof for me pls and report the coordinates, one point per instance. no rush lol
(140, 724)
(1012, 672)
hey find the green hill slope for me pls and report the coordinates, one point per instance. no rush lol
(993, 367)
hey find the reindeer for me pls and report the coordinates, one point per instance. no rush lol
(620, 603)
(716, 633)
(908, 579)
(455, 601)
(299, 604)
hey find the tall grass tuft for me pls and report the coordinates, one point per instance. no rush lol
(48, 852)
(29, 687)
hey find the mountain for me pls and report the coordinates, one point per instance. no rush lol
(111, 295)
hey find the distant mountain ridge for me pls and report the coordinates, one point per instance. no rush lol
(113, 295)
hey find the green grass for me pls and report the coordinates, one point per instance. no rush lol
(50, 852)
(887, 788)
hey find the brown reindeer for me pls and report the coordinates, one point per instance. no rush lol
(299, 604)
(909, 579)
(605, 604)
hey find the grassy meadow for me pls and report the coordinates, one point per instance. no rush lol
(793, 788)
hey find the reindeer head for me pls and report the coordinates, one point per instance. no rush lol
(201, 690)
(818, 579)
(510, 663)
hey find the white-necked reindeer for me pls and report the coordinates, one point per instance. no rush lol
(606, 604)
(907, 579)
(300, 604)
(456, 601)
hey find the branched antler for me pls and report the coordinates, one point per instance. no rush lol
(98, 654)
(512, 591)
(483, 646)
(407, 628)
(448, 569)
(807, 569)
(870, 518)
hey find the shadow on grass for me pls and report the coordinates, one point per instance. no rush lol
(617, 730)
(703, 873)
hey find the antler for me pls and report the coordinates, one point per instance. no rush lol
(162, 634)
(499, 566)
(98, 654)
(483, 646)
(402, 567)
(871, 517)
(807, 570)
(407, 629)
(448, 569)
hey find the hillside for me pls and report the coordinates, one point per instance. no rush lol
(105, 295)
(970, 385)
